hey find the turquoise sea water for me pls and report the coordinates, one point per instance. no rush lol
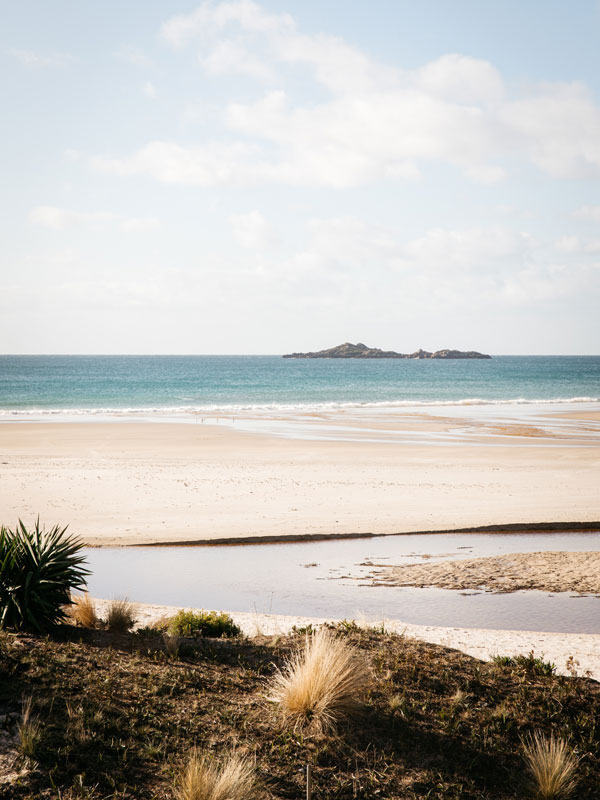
(90, 384)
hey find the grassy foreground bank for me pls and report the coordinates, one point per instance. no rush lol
(118, 715)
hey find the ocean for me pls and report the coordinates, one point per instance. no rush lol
(92, 385)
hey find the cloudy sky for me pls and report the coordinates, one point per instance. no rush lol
(258, 177)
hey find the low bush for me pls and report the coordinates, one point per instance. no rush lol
(320, 685)
(38, 570)
(530, 663)
(206, 623)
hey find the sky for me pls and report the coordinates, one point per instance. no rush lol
(264, 177)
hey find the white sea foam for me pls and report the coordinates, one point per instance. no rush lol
(262, 408)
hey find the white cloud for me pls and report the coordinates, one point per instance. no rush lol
(568, 244)
(588, 212)
(212, 164)
(134, 55)
(149, 89)
(465, 80)
(208, 19)
(228, 57)
(374, 122)
(480, 249)
(558, 127)
(441, 269)
(252, 230)
(485, 173)
(59, 219)
(30, 58)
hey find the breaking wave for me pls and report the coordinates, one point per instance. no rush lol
(228, 409)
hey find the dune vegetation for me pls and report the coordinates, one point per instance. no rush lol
(114, 715)
(190, 709)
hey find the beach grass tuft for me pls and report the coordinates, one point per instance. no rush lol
(172, 642)
(120, 617)
(320, 685)
(83, 611)
(29, 730)
(205, 779)
(552, 766)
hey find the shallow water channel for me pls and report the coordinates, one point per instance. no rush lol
(327, 579)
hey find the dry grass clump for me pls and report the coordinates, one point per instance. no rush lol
(120, 616)
(552, 766)
(29, 730)
(83, 611)
(172, 642)
(320, 685)
(204, 779)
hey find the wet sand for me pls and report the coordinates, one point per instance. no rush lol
(126, 483)
(548, 571)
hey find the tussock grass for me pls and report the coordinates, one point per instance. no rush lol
(320, 685)
(120, 616)
(29, 730)
(204, 779)
(172, 642)
(83, 611)
(552, 766)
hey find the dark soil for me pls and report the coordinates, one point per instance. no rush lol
(119, 718)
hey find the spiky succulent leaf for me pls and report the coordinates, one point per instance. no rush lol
(38, 570)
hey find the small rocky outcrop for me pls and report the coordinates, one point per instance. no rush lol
(360, 350)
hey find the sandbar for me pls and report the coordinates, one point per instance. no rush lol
(547, 571)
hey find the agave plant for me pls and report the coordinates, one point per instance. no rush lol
(38, 570)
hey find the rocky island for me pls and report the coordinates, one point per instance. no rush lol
(360, 350)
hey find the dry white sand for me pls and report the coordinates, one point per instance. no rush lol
(580, 651)
(135, 483)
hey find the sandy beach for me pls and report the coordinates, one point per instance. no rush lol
(548, 572)
(127, 483)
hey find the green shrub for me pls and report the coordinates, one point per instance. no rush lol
(38, 570)
(206, 623)
(529, 662)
